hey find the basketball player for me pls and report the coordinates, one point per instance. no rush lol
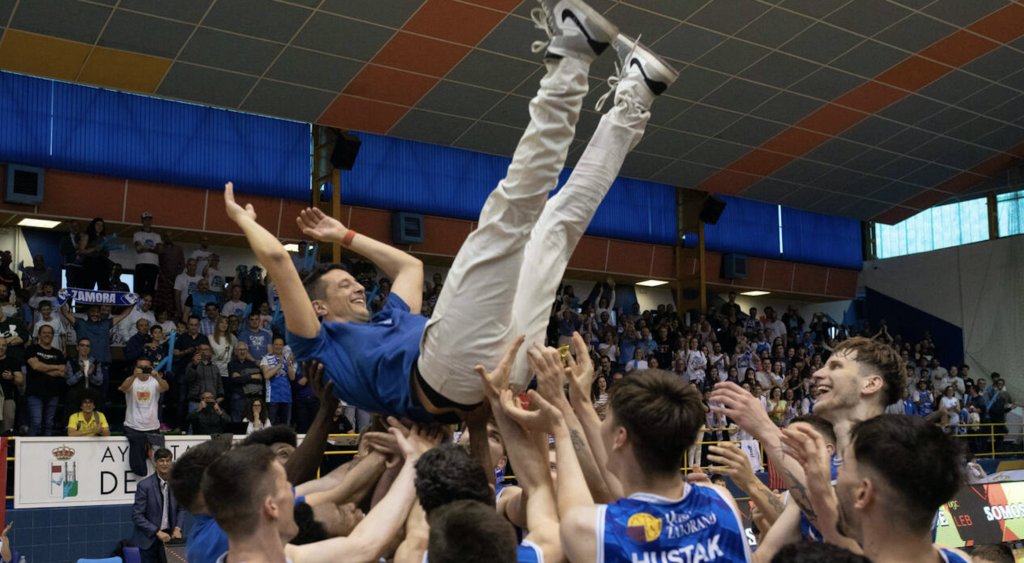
(505, 275)
(652, 418)
(858, 381)
(897, 471)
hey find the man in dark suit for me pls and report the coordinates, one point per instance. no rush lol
(156, 514)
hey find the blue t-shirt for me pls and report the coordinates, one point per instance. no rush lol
(279, 387)
(702, 526)
(370, 363)
(257, 341)
(98, 334)
(206, 540)
(199, 301)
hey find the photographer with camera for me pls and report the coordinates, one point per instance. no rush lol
(202, 376)
(142, 391)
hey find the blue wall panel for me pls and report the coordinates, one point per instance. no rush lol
(821, 239)
(112, 133)
(412, 176)
(745, 227)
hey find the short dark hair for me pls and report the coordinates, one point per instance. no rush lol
(993, 553)
(162, 453)
(187, 473)
(662, 414)
(883, 359)
(447, 473)
(278, 434)
(808, 552)
(310, 531)
(45, 303)
(196, 317)
(467, 530)
(823, 427)
(235, 485)
(312, 282)
(915, 458)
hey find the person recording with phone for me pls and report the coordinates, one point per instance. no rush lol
(142, 391)
(209, 418)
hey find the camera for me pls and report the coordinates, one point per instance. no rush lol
(146, 369)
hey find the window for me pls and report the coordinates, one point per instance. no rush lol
(939, 227)
(1010, 209)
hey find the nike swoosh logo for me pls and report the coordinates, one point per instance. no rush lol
(655, 86)
(597, 46)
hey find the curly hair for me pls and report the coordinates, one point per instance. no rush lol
(446, 474)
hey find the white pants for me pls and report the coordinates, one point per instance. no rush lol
(505, 276)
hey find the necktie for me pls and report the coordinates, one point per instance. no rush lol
(166, 508)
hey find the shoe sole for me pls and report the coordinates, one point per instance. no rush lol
(593, 18)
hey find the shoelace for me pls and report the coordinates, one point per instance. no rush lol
(620, 73)
(541, 22)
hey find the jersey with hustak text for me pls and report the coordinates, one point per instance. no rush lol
(701, 527)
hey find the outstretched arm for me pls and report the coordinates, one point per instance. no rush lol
(298, 312)
(405, 271)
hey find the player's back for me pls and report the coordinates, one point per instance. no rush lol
(702, 526)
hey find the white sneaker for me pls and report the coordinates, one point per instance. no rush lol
(638, 64)
(574, 29)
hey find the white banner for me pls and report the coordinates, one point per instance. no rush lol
(62, 472)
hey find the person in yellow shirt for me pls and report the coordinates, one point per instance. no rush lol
(88, 421)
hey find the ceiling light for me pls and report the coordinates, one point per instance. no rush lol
(652, 283)
(757, 293)
(38, 223)
(292, 247)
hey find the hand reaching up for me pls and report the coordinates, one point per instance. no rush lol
(236, 212)
(316, 224)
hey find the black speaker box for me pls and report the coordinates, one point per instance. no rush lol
(346, 149)
(712, 210)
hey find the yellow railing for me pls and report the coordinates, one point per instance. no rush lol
(986, 435)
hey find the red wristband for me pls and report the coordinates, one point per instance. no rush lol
(347, 240)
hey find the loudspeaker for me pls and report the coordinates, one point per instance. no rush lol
(24, 185)
(734, 267)
(712, 210)
(406, 228)
(346, 149)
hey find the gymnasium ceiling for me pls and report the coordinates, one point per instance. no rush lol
(873, 109)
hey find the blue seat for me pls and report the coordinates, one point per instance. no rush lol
(105, 560)
(132, 555)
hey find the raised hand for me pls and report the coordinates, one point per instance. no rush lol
(580, 370)
(804, 444)
(236, 212)
(547, 364)
(542, 418)
(732, 461)
(496, 381)
(734, 402)
(316, 224)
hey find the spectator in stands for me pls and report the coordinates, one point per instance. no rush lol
(696, 363)
(202, 377)
(199, 299)
(279, 371)
(773, 328)
(69, 244)
(924, 400)
(999, 402)
(949, 406)
(202, 255)
(148, 245)
(157, 516)
(142, 391)
(95, 256)
(256, 338)
(172, 263)
(730, 307)
(32, 278)
(84, 375)
(186, 347)
(208, 418)
(255, 416)
(222, 345)
(44, 383)
(47, 318)
(234, 306)
(142, 310)
(215, 276)
(208, 321)
(247, 382)
(88, 421)
(115, 283)
(13, 331)
(8, 277)
(185, 284)
(96, 328)
(11, 378)
(135, 346)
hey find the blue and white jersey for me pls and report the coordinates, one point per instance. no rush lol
(950, 556)
(807, 530)
(644, 528)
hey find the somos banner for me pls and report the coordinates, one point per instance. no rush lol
(982, 514)
(55, 472)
